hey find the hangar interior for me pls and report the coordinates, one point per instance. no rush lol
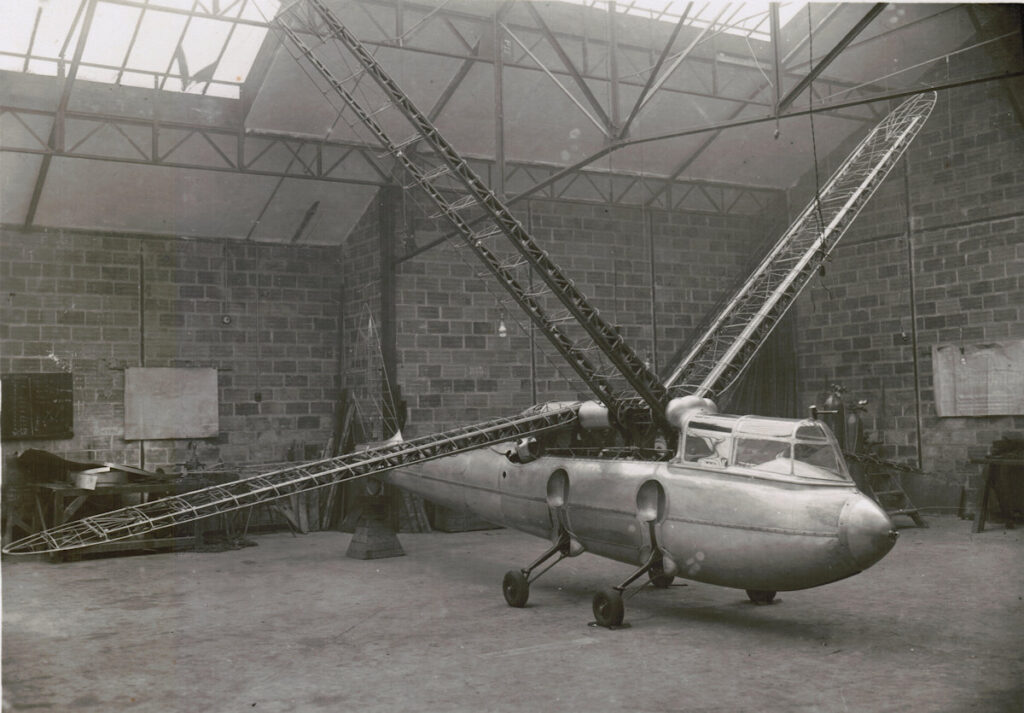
(187, 203)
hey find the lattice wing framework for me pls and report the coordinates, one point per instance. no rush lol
(721, 353)
(436, 167)
(206, 502)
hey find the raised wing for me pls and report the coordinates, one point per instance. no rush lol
(438, 169)
(719, 355)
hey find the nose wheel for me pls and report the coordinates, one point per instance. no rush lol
(761, 596)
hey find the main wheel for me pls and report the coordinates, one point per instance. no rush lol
(608, 607)
(658, 577)
(761, 596)
(515, 588)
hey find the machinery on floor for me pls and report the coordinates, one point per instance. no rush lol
(647, 473)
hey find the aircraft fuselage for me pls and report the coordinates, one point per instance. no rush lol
(731, 527)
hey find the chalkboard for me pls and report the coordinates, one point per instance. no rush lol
(37, 406)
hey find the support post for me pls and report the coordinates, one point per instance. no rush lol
(374, 537)
(375, 533)
(911, 270)
(389, 201)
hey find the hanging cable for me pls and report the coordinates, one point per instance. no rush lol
(814, 152)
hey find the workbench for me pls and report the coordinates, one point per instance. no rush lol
(993, 471)
(54, 509)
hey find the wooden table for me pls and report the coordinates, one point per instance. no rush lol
(992, 472)
(58, 495)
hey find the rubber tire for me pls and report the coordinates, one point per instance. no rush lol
(515, 588)
(761, 596)
(659, 579)
(608, 607)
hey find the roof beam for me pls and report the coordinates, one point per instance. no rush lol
(738, 123)
(829, 16)
(441, 15)
(843, 43)
(681, 57)
(453, 84)
(776, 38)
(570, 67)
(449, 91)
(131, 46)
(880, 35)
(1011, 95)
(600, 124)
(445, 13)
(624, 130)
(701, 149)
(56, 140)
(316, 168)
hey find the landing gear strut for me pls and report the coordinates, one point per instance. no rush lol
(516, 585)
(608, 605)
(660, 579)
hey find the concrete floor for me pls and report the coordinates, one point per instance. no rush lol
(293, 625)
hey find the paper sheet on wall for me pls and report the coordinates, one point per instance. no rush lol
(979, 379)
(170, 403)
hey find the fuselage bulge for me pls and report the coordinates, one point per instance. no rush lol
(748, 502)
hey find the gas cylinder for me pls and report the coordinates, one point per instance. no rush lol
(835, 413)
(854, 428)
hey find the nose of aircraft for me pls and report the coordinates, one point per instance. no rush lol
(866, 531)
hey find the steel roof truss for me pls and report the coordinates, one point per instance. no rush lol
(402, 38)
(56, 140)
(32, 37)
(313, 17)
(295, 152)
(602, 125)
(638, 104)
(179, 53)
(681, 57)
(17, 117)
(629, 186)
(129, 139)
(571, 68)
(472, 48)
(131, 46)
(841, 45)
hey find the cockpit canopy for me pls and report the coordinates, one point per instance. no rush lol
(804, 449)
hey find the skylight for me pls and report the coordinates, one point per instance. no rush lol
(193, 46)
(209, 46)
(747, 19)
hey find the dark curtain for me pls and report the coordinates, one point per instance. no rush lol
(768, 386)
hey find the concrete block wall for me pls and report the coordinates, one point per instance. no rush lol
(960, 191)
(360, 277)
(93, 304)
(454, 368)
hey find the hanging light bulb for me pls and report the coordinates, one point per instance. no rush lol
(502, 330)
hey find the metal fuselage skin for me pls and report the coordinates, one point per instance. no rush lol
(728, 528)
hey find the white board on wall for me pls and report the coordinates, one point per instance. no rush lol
(165, 402)
(979, 379)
